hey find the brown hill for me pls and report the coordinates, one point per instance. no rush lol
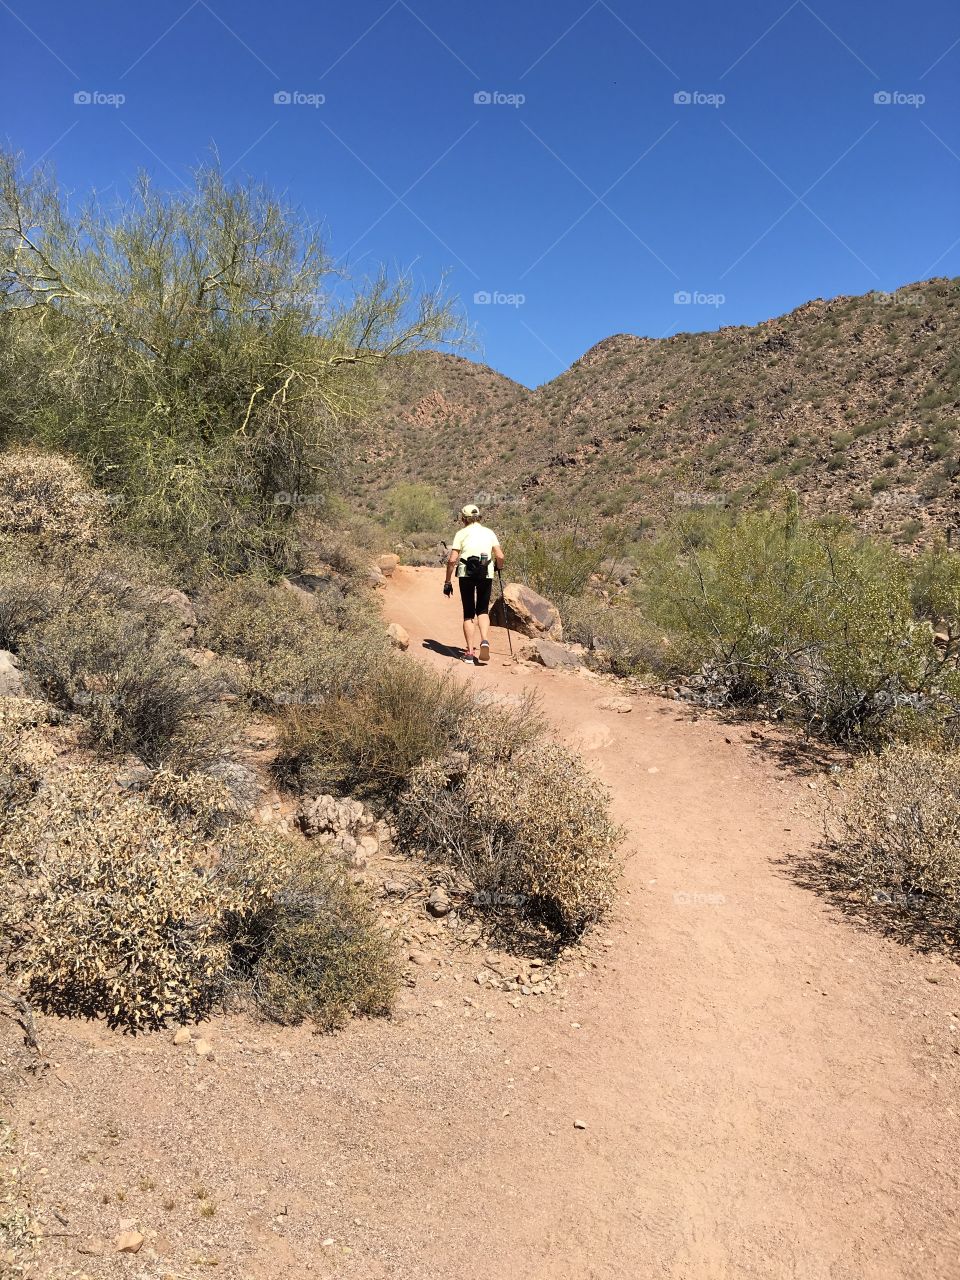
(853, 402)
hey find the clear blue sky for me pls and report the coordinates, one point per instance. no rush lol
(584, 209)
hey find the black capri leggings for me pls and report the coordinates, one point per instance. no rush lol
(475, 596)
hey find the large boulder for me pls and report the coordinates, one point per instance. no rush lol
(387, 563)
(523, 609)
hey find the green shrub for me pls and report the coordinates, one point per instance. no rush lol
(620, 639)
(187, 345)
(517, 817)
(367, 743)
(813, 621)
(416, 508)
(308, 943)
(560, 564)
(895, 833)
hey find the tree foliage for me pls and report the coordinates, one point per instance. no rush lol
(199, 350)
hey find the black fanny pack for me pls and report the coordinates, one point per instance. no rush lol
(476, 568)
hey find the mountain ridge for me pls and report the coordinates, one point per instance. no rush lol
(853, 402)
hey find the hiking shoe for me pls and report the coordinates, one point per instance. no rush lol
(469, 656)
(484, 654)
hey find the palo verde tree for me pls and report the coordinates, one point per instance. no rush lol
(199, 350)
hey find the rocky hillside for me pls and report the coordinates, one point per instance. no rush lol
(853, 402)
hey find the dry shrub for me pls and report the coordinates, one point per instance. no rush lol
(895, 832)
(520, 818)
(24, 752)
(306, 941)
(367, 745)
(140, 907)
(104, 910)
(294, 654)
(94, 633)
(47, 497)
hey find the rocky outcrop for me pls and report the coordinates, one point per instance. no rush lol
(346, 827)
(550, 654)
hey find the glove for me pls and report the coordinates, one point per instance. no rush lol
(448, 588)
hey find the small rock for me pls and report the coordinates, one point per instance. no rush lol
(387, 563)
(579, 1124)
(620, 705)
(420, 957)
(438, 904)
(94, 1245)
(204, 1049)
(399, 637)
(11, 678)
(128, 1242)
(182, 1036)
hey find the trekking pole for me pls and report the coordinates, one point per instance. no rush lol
(504, 603)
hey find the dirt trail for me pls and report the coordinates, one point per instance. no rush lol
(766, 1091)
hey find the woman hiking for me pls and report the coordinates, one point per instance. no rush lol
(474, 557)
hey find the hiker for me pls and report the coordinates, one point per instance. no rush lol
(474, 557)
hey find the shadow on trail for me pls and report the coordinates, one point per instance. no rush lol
(444, 650)
(911, 919)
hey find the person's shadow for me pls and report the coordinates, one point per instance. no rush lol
(445, 650)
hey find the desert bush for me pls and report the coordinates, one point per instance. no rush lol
(560, 564)
(24, 751)
(98, 640)
(416, 508)
(367, 744)
(131, 684)
(48, 498)
(520, 819)
(895, 832)
(143, 906)
(103, 910)
(306, 942)
(292, 653)
(618, 637)
(812, 621)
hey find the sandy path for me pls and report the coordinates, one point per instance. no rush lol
(767, 1091)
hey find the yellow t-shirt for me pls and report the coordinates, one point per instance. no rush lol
(475, 540)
